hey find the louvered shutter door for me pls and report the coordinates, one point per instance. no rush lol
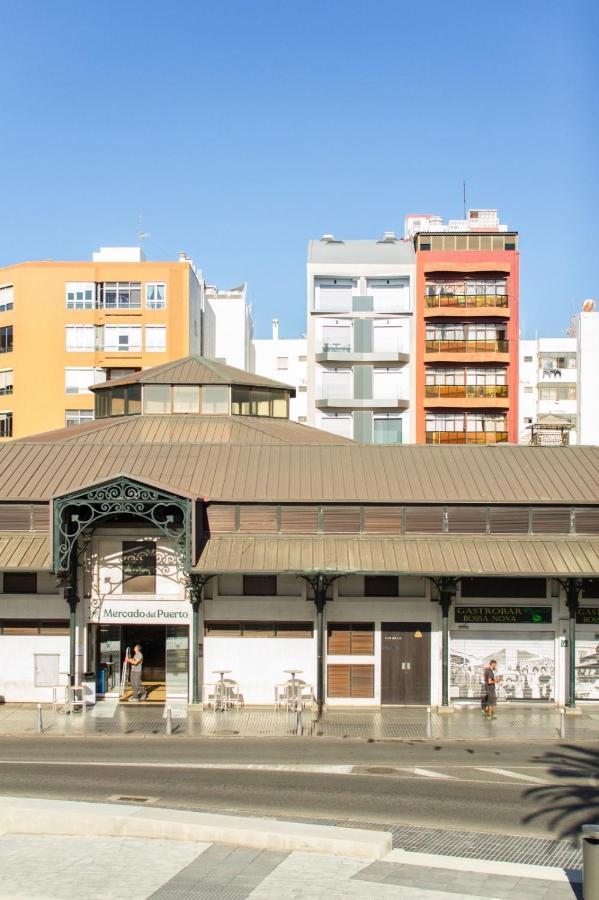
(339, 639)
(362, 681)
(383, 519)
(299, 519)
(467, 519)
(342, 519)
(587, 520)
(221, 518)
(14, 517)
(258, 519)
(338, 681)
(551, 520)
(362, 639)
(424, 519)
(508, 520)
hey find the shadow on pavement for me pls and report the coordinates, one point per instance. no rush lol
(566, 807)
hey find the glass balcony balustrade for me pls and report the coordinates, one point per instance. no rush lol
(466, 437)
(469, 391)
(466, 301)
(466, 346)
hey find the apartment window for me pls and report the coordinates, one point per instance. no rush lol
(80, 338)
(215, 399)
(119, 295)
(388, 336)
(350, 681)
(5, 424)
(528, 390)
(302, 359)
(282, 363)
(78, 417)
(186, 398)
(389, 294)
(557, 392)
(337, 423)
(528, 359)
(156, 295)
(301, 419)
(260, 585)
(80, 294)
(157, 398)
(111, 374)
(387, 383)
(78, 380)
(6, 298)
(155, 338)
(6, 339)
(336, 336)
(6, 382)
(139, 567)
(552, 361)
(387, 430)
(20, 582)
(122, 338)
(333, 294)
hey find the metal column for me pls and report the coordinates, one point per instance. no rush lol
(573, 587)
(195, 649)
(320, 601)
(447, 590)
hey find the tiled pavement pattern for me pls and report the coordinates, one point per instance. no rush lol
(409, 724)
(60, 868)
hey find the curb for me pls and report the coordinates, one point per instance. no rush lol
(65, 817)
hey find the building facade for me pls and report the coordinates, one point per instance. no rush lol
(285, 359)
(466, 336)
(192, 516)
(360, 335)
(228, 327)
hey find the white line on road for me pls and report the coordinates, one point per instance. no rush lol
(429, 773)
(250, 767)
(510, 774)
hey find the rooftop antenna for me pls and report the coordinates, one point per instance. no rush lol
(464, 193)
(141, 234)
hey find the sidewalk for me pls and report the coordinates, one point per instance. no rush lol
(124, 852)
(513, 723)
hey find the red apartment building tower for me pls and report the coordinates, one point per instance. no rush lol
(466, 353)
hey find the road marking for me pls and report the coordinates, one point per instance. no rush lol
(248, 767)
(510, 774)
(429, 773)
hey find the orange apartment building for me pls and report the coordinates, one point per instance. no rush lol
(67, 325)
(466, 335)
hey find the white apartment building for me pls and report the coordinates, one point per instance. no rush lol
(360, 335)
(559, 380)
(227, 326)
(285, 359)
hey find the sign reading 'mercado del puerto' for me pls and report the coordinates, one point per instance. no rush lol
(157, 611)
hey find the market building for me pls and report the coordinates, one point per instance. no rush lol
(192, 516)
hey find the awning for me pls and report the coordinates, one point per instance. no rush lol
(455, 555)
(24, 550)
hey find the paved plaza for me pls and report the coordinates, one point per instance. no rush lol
(465, 723)
(110, 868)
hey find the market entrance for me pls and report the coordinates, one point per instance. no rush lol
(165, 650)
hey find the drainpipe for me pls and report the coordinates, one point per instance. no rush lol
(573, 588)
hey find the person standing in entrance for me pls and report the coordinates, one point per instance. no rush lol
(491, 680)
(136, 663)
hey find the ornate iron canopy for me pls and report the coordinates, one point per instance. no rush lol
(76, 512)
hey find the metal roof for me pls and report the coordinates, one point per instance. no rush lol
(189, 429)
(398, 252)
(24, 551)
(284, 472)
(455, 555)
(194, 370)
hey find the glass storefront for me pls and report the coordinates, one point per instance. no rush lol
(526, 662)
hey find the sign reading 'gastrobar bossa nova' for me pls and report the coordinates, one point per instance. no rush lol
(588, 615)
(503, 615)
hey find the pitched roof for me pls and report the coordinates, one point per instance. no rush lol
(456, 555)
(194, 370)
(24, 551)
(283, 472)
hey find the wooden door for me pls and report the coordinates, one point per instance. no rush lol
(405, 662)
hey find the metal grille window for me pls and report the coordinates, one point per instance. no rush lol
(80, 294)
(139, 567)
(156, 295)
(6, 339)
(119, 295)
(6, 298)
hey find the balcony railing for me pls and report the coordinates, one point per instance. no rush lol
(466, 437)
(482, 346)
(328, 347)
(469, 391)
(466, 301)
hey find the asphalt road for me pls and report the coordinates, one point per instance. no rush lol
(543, 789)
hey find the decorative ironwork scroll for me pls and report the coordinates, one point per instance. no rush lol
(75, 513)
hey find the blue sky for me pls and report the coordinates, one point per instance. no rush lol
(242, 129)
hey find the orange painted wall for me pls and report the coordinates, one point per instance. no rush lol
(469, 262)
(39, 317)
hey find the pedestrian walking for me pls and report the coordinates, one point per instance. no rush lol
(136, 663)
(491, 680)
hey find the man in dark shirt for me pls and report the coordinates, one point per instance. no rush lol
(490, 696)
